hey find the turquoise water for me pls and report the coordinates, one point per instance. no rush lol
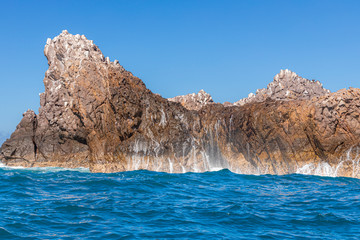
(60, 204)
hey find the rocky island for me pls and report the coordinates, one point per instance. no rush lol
(97, 115)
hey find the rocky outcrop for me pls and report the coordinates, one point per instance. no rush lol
(287, 85)
(194, 101)
(96, 114)
(21, 148)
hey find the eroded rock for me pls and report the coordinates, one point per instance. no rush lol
(287, 85)
(96, 114)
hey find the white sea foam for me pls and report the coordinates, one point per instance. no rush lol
(44, 169)
(320, 169)
(215, 169)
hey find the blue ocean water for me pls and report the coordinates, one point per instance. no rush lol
(60, 204)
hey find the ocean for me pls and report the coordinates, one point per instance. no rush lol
(55, 203)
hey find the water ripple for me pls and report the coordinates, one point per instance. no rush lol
(62, 204)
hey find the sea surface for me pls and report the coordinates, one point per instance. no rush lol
(55, 203)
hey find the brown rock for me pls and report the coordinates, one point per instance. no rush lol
(286, 86)
(21, 147)
(96, 114)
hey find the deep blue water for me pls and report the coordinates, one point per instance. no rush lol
(53, 204)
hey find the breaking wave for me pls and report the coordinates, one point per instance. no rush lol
(43, 169)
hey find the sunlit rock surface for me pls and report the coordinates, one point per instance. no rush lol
(96, 114)
(194, 101)
(287, 85)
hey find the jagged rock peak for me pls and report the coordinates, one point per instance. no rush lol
(194, 101)
(66, 46)
(287, 85)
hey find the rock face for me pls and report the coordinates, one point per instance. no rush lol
(96, 114)
(21, 148)
(193, 101)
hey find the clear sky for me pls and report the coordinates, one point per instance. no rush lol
(227, 48)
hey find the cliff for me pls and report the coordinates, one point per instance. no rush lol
(96, 114)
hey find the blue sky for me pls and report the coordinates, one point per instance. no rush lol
(227, 48)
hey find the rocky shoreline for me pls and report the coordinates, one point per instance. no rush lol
(97, 115)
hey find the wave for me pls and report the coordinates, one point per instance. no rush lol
(147, 205)
(322, 169)
(43, 169)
